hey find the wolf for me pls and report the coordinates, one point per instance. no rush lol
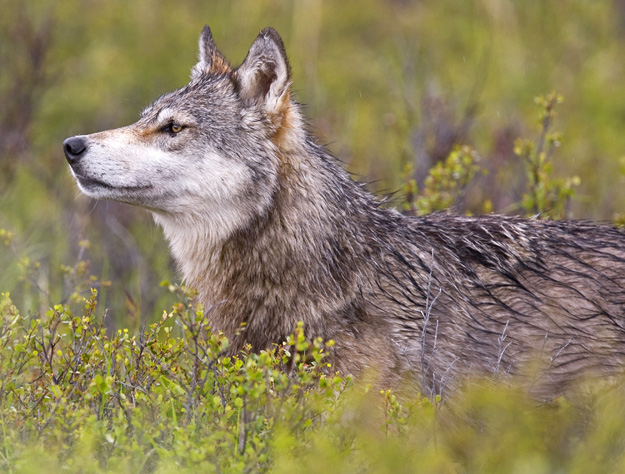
(271, 230)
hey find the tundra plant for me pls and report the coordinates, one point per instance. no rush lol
(73, 395)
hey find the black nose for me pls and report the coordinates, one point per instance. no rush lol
(74, 148)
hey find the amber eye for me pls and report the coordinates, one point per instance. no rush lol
(173, 128)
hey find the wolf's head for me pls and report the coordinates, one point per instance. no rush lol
(209, 152)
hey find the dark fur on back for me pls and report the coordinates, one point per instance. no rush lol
(432, 297)
(272, 231)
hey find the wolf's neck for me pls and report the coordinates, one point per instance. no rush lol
(291, 262)
(194, 244)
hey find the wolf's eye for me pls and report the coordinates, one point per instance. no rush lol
(173, 128)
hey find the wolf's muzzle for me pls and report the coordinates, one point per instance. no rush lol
(74, 148)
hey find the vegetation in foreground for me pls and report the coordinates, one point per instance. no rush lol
(74, 399)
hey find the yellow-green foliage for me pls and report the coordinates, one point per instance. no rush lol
(546, 196)
(77, 397)
(444, 184)
(167, 399)
(122, 402)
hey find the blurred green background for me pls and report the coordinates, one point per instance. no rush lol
(385, 83)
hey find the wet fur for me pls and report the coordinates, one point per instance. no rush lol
(272, 231)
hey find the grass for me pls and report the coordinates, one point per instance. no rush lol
(166, 399)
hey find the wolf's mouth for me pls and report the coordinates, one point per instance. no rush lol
(92, 183)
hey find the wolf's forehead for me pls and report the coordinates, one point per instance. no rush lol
(166, 114)
(162, 112)
(174, 104)
(200, 93)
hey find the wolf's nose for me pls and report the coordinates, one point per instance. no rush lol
(74, 148)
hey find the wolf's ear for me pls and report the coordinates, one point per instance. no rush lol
(264, 77)
(210, 60)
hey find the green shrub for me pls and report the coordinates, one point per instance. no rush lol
(151, 399)
(444, 185)
(545, 196)
(77, 398)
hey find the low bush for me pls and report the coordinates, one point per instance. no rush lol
(167, 399)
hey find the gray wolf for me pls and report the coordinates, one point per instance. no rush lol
(270, 230)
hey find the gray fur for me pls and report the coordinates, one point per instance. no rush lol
(272, 231)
